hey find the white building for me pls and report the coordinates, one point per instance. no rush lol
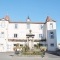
(12, 33)
(58, 46)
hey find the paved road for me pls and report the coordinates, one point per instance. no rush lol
(12, 56)
(51, 55)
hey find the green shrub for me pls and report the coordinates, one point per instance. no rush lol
(25, 48)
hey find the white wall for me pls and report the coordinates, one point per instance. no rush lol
(9, 30)
(3, 36)
(22, 30)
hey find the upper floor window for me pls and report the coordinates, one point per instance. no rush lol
(41, 26)
(51, 25)
(2, 34)
(40, 36)
(51, 35)
(51, 32)
(3, 24)
(16, 26)
(15, 35)
(52, 44)
(28, 26)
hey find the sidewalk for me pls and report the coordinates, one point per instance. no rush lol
(12, 56)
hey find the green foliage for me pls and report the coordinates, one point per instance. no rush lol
(37, 45)
(25, 48)
(32, 53)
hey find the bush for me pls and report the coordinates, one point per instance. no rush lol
(25, 48)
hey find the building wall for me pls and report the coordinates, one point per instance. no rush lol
(40, 30)
(3, 35)
(49, 39)
(22, 30)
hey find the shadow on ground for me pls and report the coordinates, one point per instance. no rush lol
(57, 53)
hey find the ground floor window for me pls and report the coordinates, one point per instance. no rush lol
(21, 44)
(15, 44)
(18, 44)
(41, 44)
(46, 44)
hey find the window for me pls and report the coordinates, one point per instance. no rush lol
(51, 32)
(41, 26)
(51, 35)
(7, 46)
(40, 36)
(52, 44)
(28, 26)
(51, 25)
(2, 24)
(41, 44)
(46, 44)
(21, 45)
(15, 35)
(15, 44)
(2, 34)
(16, 25)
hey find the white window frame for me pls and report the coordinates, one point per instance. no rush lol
(16, 26)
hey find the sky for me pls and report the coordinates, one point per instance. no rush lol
(37, 10)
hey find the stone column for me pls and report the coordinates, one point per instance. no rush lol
(32, 42)
(27, 41)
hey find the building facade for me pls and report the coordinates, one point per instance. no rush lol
(27, 32)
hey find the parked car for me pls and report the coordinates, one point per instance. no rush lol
(58, 52)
